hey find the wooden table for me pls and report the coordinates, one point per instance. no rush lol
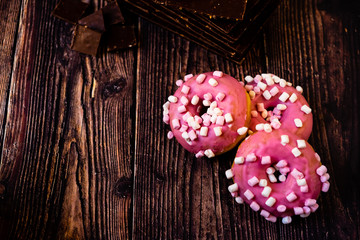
(84, 152)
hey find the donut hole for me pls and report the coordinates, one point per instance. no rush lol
(277, 174)
(202, 109)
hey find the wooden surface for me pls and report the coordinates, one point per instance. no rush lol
(84, 152)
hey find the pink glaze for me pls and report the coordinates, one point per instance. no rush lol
(230, 97)
(288, 195)
(292, 111)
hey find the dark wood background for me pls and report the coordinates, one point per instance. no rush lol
(83, 148)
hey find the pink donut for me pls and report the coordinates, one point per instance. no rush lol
(278, 174)
(209, 113)
(276, 104)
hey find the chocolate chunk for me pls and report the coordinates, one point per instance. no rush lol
(70, 10)
(222, 8)
(119, 37)
(112, 14)
(94, 21)
(86, 40)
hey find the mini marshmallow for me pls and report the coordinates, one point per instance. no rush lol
(228, 117)
(301, 143)
(242, 130)
(248, 194)
(321, 170)
(190, 120)
(239, 200)
(170, 135)
(281, 208)
(264, 114)
(254, 113)
(199, 154)
(233, 188)
(255, 206)
(213, 104)
(181, 109)
(266, 191)
(267, 95)
(298, 122)
(325, 186)
(166, 105)
(270, 170)
(263, 183)
(266, 75)
(185, 89)
(218, 73)
(304, 189)
(185, 135)
(198, 119)
(206, 103)
(284, 97)
(267, 128)
(324, 177)
(249, 87)
(284, 139)
(305, 215)
(317, 157)
(218, 131)
(175, 123)
(264, 213)
(204, 131)
(297, 174)
(272, 178)
(239, 160)
(208, 96)
(195, 100)
(220, 96)
(270, 201)
(229, 174)
(213, 118)
(192, 135)
(261, 85)
(220, 120)
(200, 79)
(257, 90)
(269, 81)
(286, 220)
(253, 181)
(306, 109)
(281, 106)
(298, 210)
(314, 207)
(293, 98)
(252, 94)
(251, 157)
(284, 170)
(260, 107)
(217, 111)
(213, 82)
(291, 197)
(296, 152)
(276, 79)
(179, 82)
(281, 164)
(310, 202)
(299, 89)
(249, 79)
(301, 182)
(183, 128)
(274, 91)
(265, 160)
(271, 218)
(259, 127)
(258, 78)
(282, 83)
(282, 178)
(209, 153)
(172, 99)
(187, 77)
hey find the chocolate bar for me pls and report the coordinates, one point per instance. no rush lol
(119, 37)
(86, 40)
(94, 21)
(70, 10)
(112, 14)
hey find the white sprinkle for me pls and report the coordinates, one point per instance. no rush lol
(267, 128)
(265, 160)
(296, 152)
(274, 91)
(306, 109)
(209, 153)
(242, 130)
(263, 183)
(249, 79)
(255, 206)
(253, 181)
(229, 174)
(286, 220)
(172, 99)
(298, 122)
(239, 160)
(206, 103)
(195, 100)
(213, 82)
(270, 201)
(262, 85)
(272, 178)
(281, 106)
(228, 118)
(284, 139)
(220, 96)
(200, 79)
(259, 127)
(301, 182)
(301, 143)
(248, 194)
(218, 73)
(267, 94)
(293, 98)
(204, 131)
(218, 131)
(299, 89)
(266, 191)
(185, 89)
(239, 200)
(187, 77)
(284, 97)
(233, 188)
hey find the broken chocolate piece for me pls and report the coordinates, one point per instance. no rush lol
(112, 14)
(222, 8)
(119, 37)
(94, 21)
(86, 40)
(70, 10)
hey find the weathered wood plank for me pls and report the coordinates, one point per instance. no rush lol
(66, 164)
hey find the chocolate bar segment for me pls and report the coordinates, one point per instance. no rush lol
(70, 10)
(112, 14)
(86, 40)
(94, 21)
(234, 9)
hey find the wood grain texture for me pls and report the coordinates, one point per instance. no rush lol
(66, 166)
